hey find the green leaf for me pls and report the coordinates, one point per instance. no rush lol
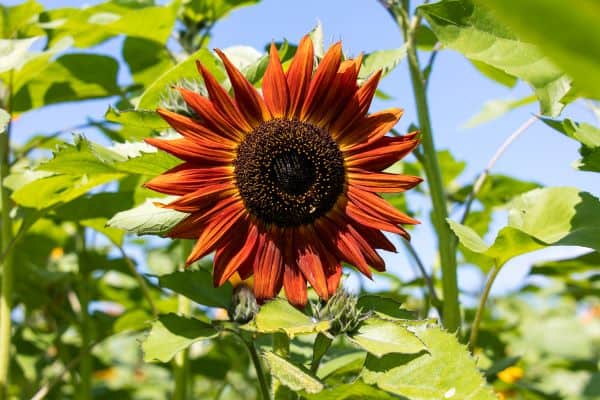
(495, 109)
(279, 316)
(558, 216)
(445, 371)
(133, 320)
(198, 286)
(451, 167)
(172, 333)
(146, 59)
(136, 118)
(89, 26)
(495, 74)
(71, 77)
(147, 218)
(186, 69)
(316, 35)
(384, 307)
(210, 11)
(351, 391)
(380, 337)
(473, 31)
(384, 60)
(509, 243)
(13, 19)
(562, 268)
(13, 52)
(566, 31)
(292, 376)
(53, 190)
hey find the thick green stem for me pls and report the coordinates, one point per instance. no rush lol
(451, 311)
(481, 307)
(181, 361)
(86, 364)
(7, 265)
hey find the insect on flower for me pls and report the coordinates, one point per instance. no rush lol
(283, 185)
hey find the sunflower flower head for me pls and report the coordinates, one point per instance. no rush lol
(283, 185)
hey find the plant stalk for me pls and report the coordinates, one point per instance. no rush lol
(84, 391)
(481, 307)
(451, 311)
(181, 365)
(7, 264)
(260, 373)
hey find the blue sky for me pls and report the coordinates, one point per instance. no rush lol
(456, 92)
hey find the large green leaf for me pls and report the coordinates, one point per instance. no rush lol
(172, 333)
(384, 60)
(148, 219)
(558, 216)
(292, 376)
(89, 26)
(136, 118)
(473, 31)
(13, 19)
(71, 77)
(567, 31)
(198, 286)
(185, 70)
(279, 316)
(380, 337)
(445, 371)
(146, 59)
(509, 243)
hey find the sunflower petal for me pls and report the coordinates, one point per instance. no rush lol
(234, 254)
(275, 88)
(310, 263)
(299, 75)
(247, 98)
(188, 177)
(268, 266)
(195, 130)
(222, 100)
(380, 154)
(377, 207)
(370, 128)
(381, 181)
(189, 150)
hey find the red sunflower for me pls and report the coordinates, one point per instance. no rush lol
(283, 186)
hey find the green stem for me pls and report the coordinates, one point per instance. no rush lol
(451, 311)
(260, 373)
(481, 307)
(181, 361)
(85, 365)
(7, 264)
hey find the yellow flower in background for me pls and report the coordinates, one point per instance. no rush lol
(511, 374)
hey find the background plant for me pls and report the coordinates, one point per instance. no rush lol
(82, 293)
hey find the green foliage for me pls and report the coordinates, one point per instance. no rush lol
(197, 286)
(172, 333)
(380, 337)
(279, 316)
(445, 370)
(291, 375)
(586, 134)
(147, 219)
(562, 30)
(473, 30)
(496, 108)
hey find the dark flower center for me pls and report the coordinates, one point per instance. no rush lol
(289, 172)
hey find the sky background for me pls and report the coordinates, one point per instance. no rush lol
(456, 92)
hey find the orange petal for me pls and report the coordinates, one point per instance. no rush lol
(363, 218)
(333, 276)
(358, 106)
(370, 128)
(375, 238)
(199, 199)
(381, 181)
(374, 205)
(188, 177)
(299, 75)
(275, 89)
(192, 151)
(380, 154)
(321, 82)
(222, 100)
(268, 266)
(231, 256)
(192, 226)
(247, 98)
(309, 261)
(216, 230)
(195, 130)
